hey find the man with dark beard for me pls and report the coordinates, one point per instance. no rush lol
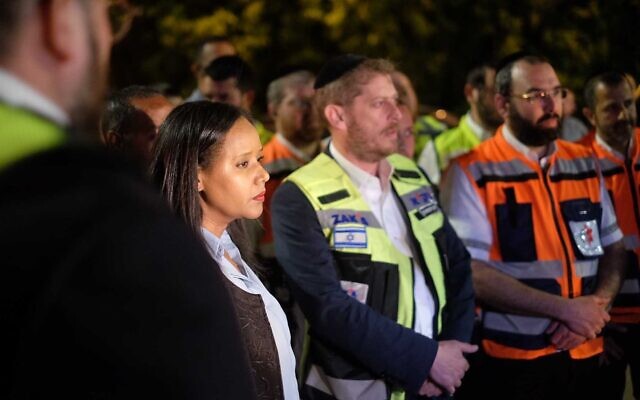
(547, 254)
(104, 293)
(381, 277)
(477, 125)
(611, 109)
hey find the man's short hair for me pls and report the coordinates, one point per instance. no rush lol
(225, 67)
(277, 87)
(343, 90)
(12, 14)
(119, 111)
(477, 76)
(505, 69)
(609, 79)
(198, 56)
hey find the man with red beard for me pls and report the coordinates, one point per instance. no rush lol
(546, 249)
(381, 277)
(105, 294)
(610, 108)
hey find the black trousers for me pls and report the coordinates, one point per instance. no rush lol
(556, 376)
(622, 349)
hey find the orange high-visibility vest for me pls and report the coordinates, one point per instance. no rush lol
(622, 178)
(546, 225)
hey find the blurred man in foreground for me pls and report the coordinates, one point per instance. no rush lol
(104, 293)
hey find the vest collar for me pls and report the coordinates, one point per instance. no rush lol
(361, 178)
(301, 155)
(616, 153)
(477, 129)
(525, 150)
(19, 94)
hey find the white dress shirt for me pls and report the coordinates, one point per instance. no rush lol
(378, 195)
(250, 283)
(19, 94)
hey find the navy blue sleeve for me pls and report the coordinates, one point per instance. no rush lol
(458, 314)
(382, 345)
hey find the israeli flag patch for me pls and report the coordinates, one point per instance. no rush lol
(349, 237)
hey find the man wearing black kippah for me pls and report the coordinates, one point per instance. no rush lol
(379, 273)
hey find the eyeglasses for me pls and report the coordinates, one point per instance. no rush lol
(121, 15)
(540, 95)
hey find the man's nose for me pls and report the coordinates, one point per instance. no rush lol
(548, 104)
(263, 175)
(395, 113)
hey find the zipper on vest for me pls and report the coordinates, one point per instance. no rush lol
(557, 224)
(634, 194)
(425, 269)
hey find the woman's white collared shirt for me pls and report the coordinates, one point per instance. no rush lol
(248, 281)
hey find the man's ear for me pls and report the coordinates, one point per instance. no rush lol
(196, 69)
(589, 115)
(64, 25)
(335, 116)
(502, 105)
(247, 99)
(112, 139)
(471, 93)
(200, 180)
(272, 110)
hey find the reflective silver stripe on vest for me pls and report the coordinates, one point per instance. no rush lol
(631, 242)
(585, 269)
(518, 324)
(574, 166)
(418, 198)
(476, 244)
(630, 286)
(607, 165)
(502, 169)
(282, 165)
(608, 230)
(330, 218)
(531, 270)
(346, 389)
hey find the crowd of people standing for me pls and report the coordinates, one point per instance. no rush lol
(350, 248)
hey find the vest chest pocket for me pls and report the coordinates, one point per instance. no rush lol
(381, 279)
(582, 218)
(515, 229)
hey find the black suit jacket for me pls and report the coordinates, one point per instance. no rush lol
(104, 293)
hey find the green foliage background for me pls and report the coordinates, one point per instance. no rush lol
(434, 41)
